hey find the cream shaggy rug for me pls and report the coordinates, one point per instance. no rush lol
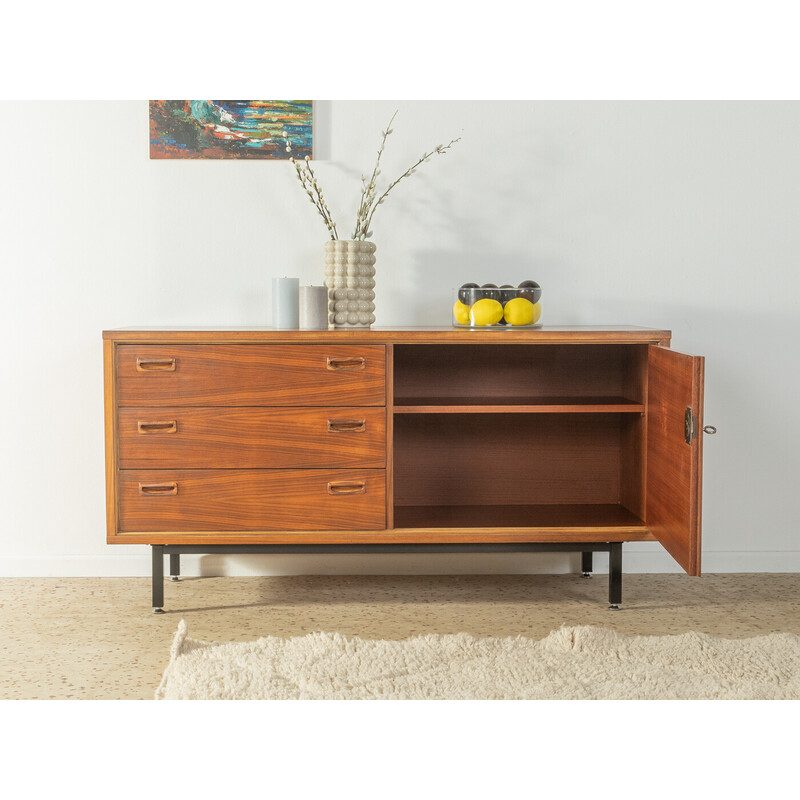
(573, 663)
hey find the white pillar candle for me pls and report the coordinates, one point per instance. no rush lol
(313, 308)
(285, 302)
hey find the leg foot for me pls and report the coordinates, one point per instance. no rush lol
(613, 607)
(158, 611)
(174, 578)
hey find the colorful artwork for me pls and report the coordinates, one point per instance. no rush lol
(230, 128)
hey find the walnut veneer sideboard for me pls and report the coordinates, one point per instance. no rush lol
(404, 440)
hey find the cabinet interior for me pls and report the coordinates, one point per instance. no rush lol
(515, 374)
(505, 436)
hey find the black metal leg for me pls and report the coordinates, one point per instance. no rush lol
(615, 575)
(175, 566)
(158, 578)
(586, 549)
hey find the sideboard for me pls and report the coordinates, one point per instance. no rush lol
(402, 440)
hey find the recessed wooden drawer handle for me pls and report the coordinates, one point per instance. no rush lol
(347, 363)
(152, 364)
(347, 425)
(170, 426)
(347, 487)
(158, 489)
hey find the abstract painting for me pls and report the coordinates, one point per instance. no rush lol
(230, 128)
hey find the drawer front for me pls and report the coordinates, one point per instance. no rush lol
(223, 438)
(250, 375)
(251, 500)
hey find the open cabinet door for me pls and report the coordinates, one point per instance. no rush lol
(674, 453)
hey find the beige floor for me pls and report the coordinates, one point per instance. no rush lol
(96, 638)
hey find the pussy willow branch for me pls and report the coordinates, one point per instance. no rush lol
(368, 189)
(438, 150)
(368, 205)
(309, 182)
(327, 214)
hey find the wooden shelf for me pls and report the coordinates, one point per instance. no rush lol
(574, 517)
(516, 405)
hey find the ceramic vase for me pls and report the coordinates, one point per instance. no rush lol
(350, 280)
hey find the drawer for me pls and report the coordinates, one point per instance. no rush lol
(250, 375)
(251, 500)
(176, 436)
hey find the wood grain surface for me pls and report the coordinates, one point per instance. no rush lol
(252, 375)
(389, 436)
(422, 334)
(241, 500)
(421, 535)
(516, 373)
(492, 459)
(253, 437)
(111, 438)
(516, 405)
(216, 436)
(586, 517)
(674, 468)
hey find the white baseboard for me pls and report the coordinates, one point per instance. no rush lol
(637, 558)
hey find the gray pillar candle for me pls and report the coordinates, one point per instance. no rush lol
(313, 308)
(285, 302)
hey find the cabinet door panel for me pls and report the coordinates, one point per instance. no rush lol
(674, 467)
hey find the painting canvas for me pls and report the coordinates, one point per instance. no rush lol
(230, 128)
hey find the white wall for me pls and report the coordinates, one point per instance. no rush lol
(663, 214)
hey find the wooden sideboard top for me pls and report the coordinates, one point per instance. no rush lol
(442, 334)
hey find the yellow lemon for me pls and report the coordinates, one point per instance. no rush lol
(537, 312)
(520, 311)
(487, 312)
(461, 313)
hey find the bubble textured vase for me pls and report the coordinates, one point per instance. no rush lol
(350, 280)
